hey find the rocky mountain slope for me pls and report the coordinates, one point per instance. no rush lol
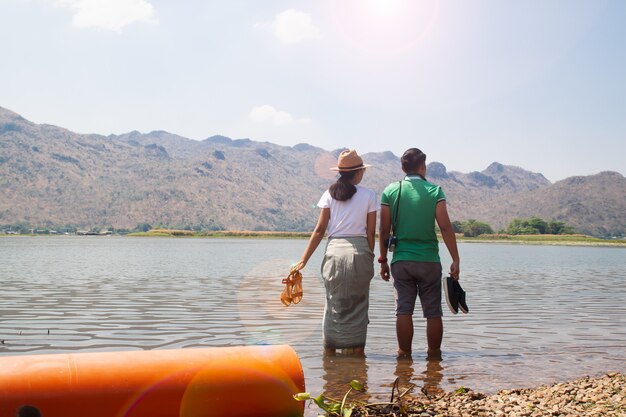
(50, 176)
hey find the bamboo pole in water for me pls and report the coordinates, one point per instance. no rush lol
(245, 381)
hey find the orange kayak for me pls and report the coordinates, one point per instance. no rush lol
(250, 381)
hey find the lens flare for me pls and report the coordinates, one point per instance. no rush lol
(323, 164)
(258, 303)
(384, 26)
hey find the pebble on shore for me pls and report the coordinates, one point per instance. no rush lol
(603, 396)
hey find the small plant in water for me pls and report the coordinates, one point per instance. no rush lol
(333, 407)
(461, 390)
(336, 408)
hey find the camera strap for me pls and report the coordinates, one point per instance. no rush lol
(394, 218)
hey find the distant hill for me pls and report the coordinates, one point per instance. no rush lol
(50, 176)
(594, 204)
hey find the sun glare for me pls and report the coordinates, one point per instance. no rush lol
(384, 26)
(383, 8)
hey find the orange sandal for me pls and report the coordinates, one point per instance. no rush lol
(296, 287)
(293, 288)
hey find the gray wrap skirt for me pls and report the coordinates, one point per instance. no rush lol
(347, 269)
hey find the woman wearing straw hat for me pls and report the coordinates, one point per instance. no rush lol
(348, 213)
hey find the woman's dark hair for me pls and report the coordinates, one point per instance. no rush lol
(343, 190)
(412, 159)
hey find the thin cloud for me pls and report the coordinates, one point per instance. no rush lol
(108, 14)
(269, 114)
(292, 26)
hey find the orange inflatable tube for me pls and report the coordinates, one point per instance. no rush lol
(250, 381)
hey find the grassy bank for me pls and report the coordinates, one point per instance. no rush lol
(563, 240)
(223, 234)
(573, 240)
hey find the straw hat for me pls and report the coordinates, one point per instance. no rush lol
(349, 160)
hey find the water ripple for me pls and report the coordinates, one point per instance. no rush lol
(537, 314)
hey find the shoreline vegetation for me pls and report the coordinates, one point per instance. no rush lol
(565, 240)
(599, 396)
(543, 239)
(222, 234)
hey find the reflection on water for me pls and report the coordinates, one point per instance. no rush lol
(339, 370)
(429, 379)
(423, 378)
(539, 314)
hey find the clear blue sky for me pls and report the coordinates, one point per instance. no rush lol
(538, 84)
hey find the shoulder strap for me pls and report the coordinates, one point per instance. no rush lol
(394, 218)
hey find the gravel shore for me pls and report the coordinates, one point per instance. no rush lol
(603, 396)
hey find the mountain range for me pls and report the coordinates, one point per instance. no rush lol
(50, 176)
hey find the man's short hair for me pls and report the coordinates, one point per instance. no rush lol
(412, 159)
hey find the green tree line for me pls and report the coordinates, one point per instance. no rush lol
(538, 226)
(531, 226)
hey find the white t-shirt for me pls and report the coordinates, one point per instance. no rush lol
(349, 218)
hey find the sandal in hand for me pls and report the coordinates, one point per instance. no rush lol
(293, 288)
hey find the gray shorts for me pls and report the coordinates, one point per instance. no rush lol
(411, 279)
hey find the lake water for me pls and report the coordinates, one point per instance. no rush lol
(538, 314)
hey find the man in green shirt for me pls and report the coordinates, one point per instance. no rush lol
(415, 204)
